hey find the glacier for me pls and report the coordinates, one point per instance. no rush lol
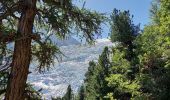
(70, 70)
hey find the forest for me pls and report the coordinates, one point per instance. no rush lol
(137, 67)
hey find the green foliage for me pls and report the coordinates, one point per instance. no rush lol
(119, 64)
(155, 5)
(91, 82)
(153, 47)
(122, 28)
(123, 87)
(58, 98)
(53, 18)
(3, 82)
(31, 93)
(138, 68)
(81, 93)
(45, 54)
(164, 16)
(60, 18)
(69, 94)
(66, 17)
(149, 64)
(95, 85)
(124, 31)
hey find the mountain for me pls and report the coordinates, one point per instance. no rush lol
(66, 42)
(70, 70)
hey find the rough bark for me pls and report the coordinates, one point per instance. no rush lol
(22, 53)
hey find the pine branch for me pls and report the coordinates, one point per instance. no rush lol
(10, 37)
(10, 10)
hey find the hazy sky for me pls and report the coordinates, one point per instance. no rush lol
(139, 8)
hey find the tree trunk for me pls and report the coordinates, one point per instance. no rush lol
(22, 53)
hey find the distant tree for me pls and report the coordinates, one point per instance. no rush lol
(29, 24)
(90, 82)
(104, 66)
(58, 98)
(3, 82)
(69, 94)
(95, 83)
(81, 93)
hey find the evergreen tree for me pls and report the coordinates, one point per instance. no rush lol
(69, 95)
(58, 98)
(123, 88)
(123, 30)
(95, 83)
(104, 66)
(153, 50)
(3, 82)
(151, 80)
(27, 22)
(81, 93)
(91, 84)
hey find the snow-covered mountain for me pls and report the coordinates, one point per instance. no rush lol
(70, 71)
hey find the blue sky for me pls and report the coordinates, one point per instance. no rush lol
(139, 8)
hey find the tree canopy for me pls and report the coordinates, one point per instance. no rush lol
(137, 67)
(28, 27)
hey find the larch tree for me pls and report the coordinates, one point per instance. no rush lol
(29, 25)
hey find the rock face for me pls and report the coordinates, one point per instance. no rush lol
(66, 42)
(70, 71)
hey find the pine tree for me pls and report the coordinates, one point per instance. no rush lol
(27, 21)
(123, 30)
(95, 83)
(69, 95)
(116, 72)
(104, 66)
(81, 93)
(90, 82)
